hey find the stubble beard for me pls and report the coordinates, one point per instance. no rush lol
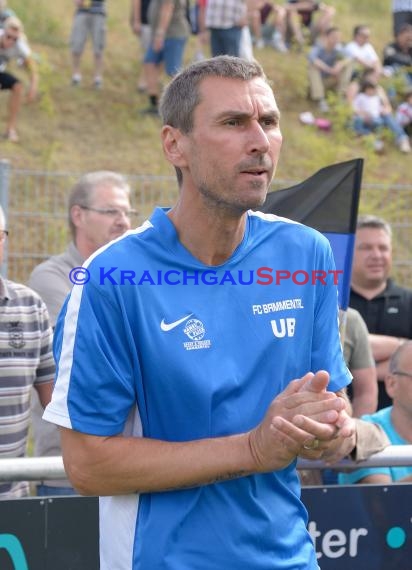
(235, 206)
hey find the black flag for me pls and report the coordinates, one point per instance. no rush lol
(327, 201)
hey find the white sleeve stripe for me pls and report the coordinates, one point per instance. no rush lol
(58, 408)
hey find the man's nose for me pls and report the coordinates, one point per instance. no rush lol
(376, 252)
(258, 139)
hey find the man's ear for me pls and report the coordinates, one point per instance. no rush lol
(76, 214)
(390, 384)
(174, 143)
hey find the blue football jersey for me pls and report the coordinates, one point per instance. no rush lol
(156, 344)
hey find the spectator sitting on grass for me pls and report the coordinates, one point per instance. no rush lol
(404, 112)
(328, 68)
(362, 52)
(273, 25)
(397, 56)
(371, 114)
(300, 15)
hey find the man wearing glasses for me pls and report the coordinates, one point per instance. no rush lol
(14, 46)
(98, 211)
(396, 420)
(26, 361)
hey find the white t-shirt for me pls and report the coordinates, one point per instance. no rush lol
(365, 53)
(19, 50)
(370, 104)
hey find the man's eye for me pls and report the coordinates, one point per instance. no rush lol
(233, 122)
(270, 122)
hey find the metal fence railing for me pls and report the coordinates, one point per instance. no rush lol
(36, 208)
(43, 468)
(36, 205)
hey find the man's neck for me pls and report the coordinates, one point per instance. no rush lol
(368, 292)
(402, 422)
(83, 247)
(212, 239)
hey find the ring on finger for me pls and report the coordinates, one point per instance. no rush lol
(311, 445)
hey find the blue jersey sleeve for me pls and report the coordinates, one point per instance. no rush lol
(326, 345)
(97, 368)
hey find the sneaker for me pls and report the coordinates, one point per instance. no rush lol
(323, 106)
(76, 79)
(278, 43)
(98, 82)
(260, 44)
(199, 56)
(307, 118)
(12, 136)
(404, 145)
(378, 146)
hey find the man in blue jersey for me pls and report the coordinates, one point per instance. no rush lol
(177, 358)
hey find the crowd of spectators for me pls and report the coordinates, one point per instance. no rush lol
(380, 326)
(334, 64)
(243, 28)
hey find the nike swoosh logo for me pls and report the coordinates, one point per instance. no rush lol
(170, 326)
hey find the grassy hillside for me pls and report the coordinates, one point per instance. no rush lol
(79, 129)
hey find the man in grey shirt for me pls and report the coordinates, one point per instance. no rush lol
(99, 211)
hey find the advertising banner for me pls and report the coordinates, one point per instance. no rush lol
(365, 527)
(361, 527)
(59, 533)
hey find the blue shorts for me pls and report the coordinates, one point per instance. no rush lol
(171, 55)
(225, 41)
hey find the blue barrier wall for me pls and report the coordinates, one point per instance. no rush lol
(49, 534)
(353, 528)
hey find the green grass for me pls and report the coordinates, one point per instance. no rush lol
(70, 129)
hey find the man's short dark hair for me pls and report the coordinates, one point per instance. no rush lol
(366, 84)
(359, 29)
(181, 96)
(330, 30)
(405, 27)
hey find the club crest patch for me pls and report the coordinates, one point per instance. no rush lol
(15, 330)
